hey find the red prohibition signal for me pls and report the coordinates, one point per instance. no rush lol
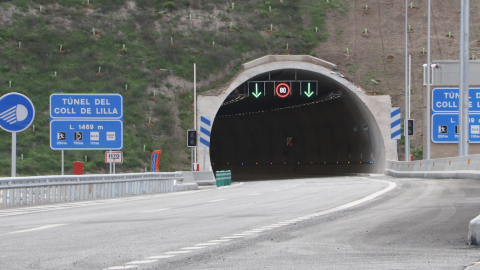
(282, 90)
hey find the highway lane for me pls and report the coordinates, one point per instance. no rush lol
(256, 225)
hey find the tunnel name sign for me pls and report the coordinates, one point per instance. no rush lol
(445, 106)
(86, 121)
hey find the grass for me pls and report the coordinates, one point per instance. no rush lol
(147, 36)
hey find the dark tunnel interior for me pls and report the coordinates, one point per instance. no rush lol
(258, 132)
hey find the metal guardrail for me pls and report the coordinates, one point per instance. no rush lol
(15, 191)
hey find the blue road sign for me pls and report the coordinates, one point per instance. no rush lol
(447, 100)
(445, 128)
(80, 106)
(67, 134)
(16, 112)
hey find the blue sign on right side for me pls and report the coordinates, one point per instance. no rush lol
(445, 102)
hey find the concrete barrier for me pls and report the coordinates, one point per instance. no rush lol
(474, 231)
(466, 167)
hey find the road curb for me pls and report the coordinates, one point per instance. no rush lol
(475, 175)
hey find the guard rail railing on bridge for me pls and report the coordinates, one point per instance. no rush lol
(16, 191)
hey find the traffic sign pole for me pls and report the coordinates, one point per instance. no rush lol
(63, 162)
(14, 154)
(428, 109)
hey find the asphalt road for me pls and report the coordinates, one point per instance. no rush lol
(374, 222)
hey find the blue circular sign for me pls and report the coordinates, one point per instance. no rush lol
(16, 112)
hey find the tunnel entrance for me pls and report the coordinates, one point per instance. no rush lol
(294, 121)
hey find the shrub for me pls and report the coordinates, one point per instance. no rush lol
(169, 4)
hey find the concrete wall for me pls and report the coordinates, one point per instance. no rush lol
(376, 109)
(466, 167)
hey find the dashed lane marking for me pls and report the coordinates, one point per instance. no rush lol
(188, 248)
(142, 262)
(177, 252)
(122, 267)
(39, 228)
(253, 194)
(161, 257)
(219, 200)
(157, 210)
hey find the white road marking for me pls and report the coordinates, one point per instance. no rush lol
(254, 194)
(177, 252)
(161, 257)
(276, 190)
(142, 262)
(250, 232)
(188, 248)
(206, 244)
(39, 228)
(122, 267)
(163, 209)
(232, 237)
(219, 200)
(222, 240)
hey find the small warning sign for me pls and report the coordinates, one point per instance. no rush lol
(289, 141)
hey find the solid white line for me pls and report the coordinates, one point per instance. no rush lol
(39, 228)
(232, 237)
(163, 209)
(121, 267)
(177, 252)
(250, 232)
(192, 248)
(217, 200)
(242, 234)
(161, 257)
(206, 244)
(142, 262)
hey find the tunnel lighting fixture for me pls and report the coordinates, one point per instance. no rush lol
(349, 162)
(285, 163)
(228, 163)
(370, 162)
(312, 162)
(337, 162)
(329, 97)
(234, 100)
(324, 162)
(256, 163)
(242, 163)
(271, 163)
(298, 162)
(360, 162)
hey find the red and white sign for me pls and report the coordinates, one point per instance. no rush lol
(114, 157)
(282, 90)
(289, 141)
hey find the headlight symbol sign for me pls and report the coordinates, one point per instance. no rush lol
(16, 112)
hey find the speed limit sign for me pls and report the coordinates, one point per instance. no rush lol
(113, 157)
(282, 90)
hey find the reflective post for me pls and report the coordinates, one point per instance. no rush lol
(63, 162)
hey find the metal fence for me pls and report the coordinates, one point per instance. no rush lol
(16, 191)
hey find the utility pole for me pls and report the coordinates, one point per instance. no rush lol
(463, 116)
(428, 108)
(407, 107)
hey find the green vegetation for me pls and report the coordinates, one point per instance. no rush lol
(60, 52)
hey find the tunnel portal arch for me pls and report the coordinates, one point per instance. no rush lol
(344, 150)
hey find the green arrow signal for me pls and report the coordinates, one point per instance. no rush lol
(309, 93)
(256, 94)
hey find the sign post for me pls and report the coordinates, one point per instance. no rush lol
(16, 114)
(86, 122)
(205, 129)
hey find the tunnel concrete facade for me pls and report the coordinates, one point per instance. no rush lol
(375, 110)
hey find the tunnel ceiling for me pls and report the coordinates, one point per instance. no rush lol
(249, 134)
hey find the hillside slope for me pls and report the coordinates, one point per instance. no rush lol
(145, 50)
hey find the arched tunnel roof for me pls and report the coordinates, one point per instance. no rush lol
(340, 130)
